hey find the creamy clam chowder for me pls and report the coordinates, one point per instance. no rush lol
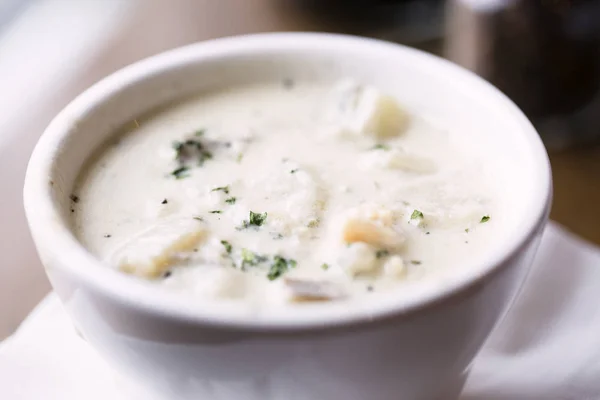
(279, 193)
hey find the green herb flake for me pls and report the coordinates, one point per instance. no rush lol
(205, 155)
(417, 215)
(216, 212)
(251, 258)
(294, 171)
(224, 189)
(200, 132)
(197, 218)
(467, 230)
(248, 257)
(380, 146)
(257, 219)
(239, 157)
(325, 266)
(382, 253)
(181, 172)
(227, 246)
(484, 219)
(190, 150)
(415, 262)
(279, 267)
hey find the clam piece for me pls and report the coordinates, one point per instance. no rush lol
(155, 250)
(372, 233)
(300, 289)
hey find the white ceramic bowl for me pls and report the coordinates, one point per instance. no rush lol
(419, 347)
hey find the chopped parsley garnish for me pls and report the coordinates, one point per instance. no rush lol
(165, 201)
(415, 262)
(256, 219)
(325, 266)
(216, 212)
(467, 230)
(230, 200)
(181, 172)
(224, 189)
(227, 246)
(382, 253)
(294, 171)
(189, 151)
(74, 198)
(279, 267)
(200, 132)
(250, 258)
(380, 146)
(239, 157)
(417, 215)
(485, 218)
(198, 218)
(428, 233)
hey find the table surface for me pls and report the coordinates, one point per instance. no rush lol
(576, 204)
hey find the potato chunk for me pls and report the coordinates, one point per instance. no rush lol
(394, 267)
(364, 110)
(359, 259)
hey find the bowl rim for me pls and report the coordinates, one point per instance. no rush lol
(45, 221)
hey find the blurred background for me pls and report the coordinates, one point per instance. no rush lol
(544, 54)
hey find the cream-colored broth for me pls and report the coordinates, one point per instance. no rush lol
(343, 196)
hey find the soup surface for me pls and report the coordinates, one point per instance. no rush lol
(281, 193)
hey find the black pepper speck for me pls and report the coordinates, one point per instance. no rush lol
(164, 201)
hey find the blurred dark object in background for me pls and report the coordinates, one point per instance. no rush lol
(414, 22)
(544, 54)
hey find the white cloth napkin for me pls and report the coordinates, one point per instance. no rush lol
(548, 347)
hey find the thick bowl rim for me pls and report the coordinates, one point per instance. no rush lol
(43, 214)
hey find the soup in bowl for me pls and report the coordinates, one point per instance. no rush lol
(289, 216)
